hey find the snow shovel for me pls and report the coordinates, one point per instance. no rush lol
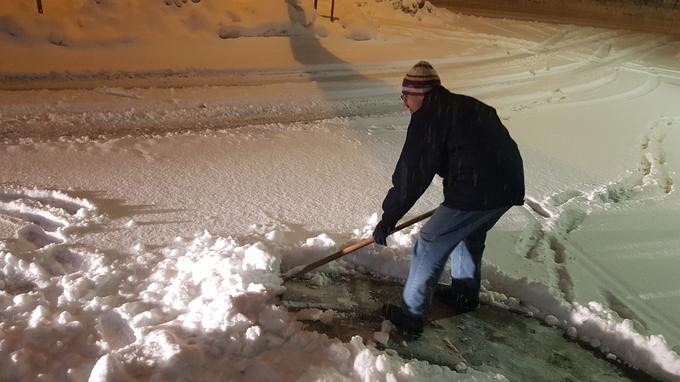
(296, 271)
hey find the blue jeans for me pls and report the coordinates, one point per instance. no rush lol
(449, 233)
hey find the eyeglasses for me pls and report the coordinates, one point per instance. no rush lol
(403, 97)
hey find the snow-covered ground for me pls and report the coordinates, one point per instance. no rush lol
(258, 136)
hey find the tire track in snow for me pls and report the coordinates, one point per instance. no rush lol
(525, 70)
(574, 80)
(594, 70)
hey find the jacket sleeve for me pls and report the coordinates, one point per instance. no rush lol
(414, 171)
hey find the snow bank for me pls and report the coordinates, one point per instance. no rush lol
(592, 323)
(202, 308)
(122, 35)
(107, 23)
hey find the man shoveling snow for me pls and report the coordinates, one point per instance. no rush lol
(462, 140)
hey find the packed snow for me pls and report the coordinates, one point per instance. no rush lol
(151, 201)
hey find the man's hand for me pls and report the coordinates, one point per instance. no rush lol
(381, 232)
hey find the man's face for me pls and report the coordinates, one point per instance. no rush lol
(412, 102)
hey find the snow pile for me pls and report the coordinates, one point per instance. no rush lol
(414, 7)
(108, 23)
(202, 308)
(594, 324)
(158, 34)
(44, 278)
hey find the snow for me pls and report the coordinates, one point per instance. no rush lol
(212, 149)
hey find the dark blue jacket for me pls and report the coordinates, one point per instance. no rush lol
(462, 140)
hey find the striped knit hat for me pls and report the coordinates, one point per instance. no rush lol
(420, 79)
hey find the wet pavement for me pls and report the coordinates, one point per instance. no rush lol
(493, 339)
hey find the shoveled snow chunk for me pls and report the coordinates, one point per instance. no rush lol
(382, 337)
(572, 332)
(552, 320)
(108, 368)
(338, 353)
(274, 235)
(326, 317)
(256, 257)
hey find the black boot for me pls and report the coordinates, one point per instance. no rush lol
(458, 296)
(407, 323)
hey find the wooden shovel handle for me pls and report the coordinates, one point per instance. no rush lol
(351, 248)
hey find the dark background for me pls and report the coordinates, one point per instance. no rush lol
(658, 16)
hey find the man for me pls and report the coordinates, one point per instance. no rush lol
(462, 140)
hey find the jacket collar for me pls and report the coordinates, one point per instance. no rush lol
(433, 97)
